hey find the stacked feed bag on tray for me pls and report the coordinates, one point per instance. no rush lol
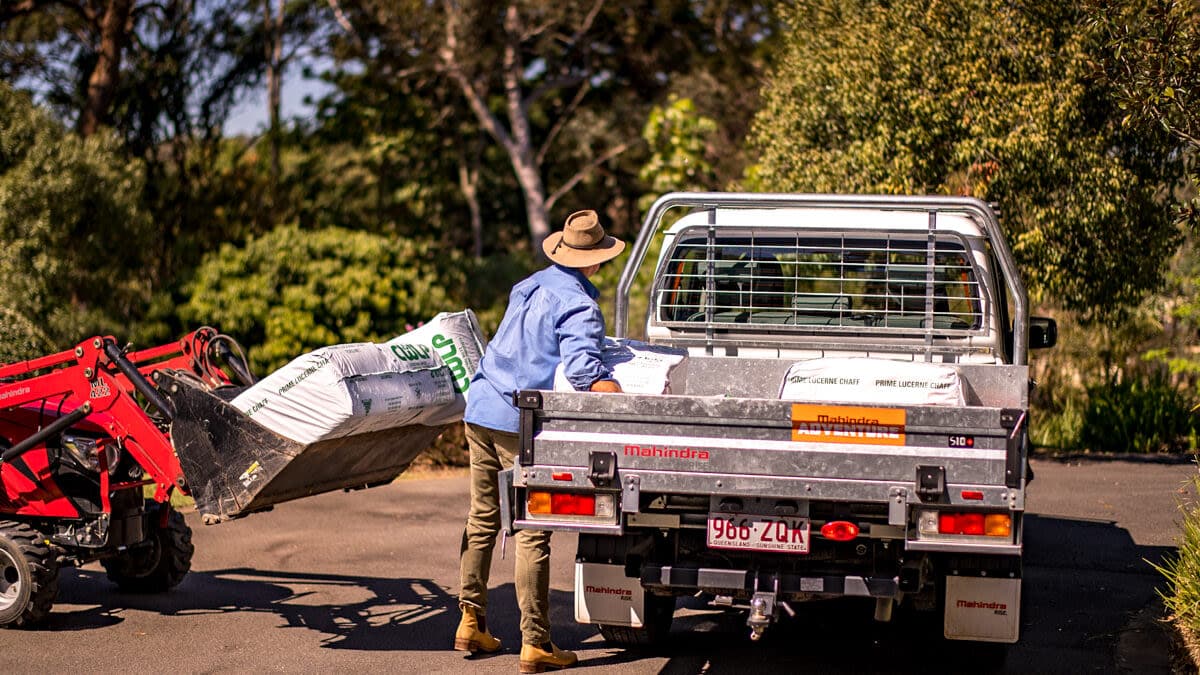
(342, 390)
(639, 367)
(878, 381)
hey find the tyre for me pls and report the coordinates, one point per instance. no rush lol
(158, 564)
(660, 612)
(28, 576)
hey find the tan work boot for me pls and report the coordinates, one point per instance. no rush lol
(534, 659)
(471, 636)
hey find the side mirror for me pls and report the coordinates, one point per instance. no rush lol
(1043, 332)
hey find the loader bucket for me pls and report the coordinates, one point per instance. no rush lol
(234, 466)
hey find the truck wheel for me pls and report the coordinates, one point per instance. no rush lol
(660, 612)
(28, 576)
(158, 564)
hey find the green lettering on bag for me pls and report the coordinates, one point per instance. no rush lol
(458, 369)
(410, 352)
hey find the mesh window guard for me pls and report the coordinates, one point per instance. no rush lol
(821, 282)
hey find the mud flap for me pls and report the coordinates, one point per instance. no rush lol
(234, 466)
(982, 609)
(603, 594)
(507, 501)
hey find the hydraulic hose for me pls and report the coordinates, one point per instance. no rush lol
(138, 380)
(235, 361)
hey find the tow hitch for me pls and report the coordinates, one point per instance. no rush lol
(762, 614)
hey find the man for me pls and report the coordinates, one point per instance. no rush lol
(552, 318)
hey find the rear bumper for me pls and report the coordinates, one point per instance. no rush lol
(748, 582)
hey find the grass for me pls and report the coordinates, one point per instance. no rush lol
(1182, 571)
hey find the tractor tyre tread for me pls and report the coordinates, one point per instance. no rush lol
(42, 562)
(174, 547)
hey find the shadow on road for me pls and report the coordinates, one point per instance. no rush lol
(351, 612)
(1084, 580)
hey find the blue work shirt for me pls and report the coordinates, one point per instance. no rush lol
(552, 317)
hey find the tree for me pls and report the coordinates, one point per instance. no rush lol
(108, 24)
(679, 139)
(170, 80)
(984, 98)
(561, 90)
(290, 291)
(76, 241)
(1151, 58)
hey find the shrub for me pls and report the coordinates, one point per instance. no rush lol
(448, 451)
(1141, 413)
(1058, 425)
(292, 290)
(78, 250)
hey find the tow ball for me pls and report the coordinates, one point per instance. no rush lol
(764, 609)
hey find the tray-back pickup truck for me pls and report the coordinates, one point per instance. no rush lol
(850, 419)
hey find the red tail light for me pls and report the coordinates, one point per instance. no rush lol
(961, 523)
(568, 504)
(840, 530)
(561, 503)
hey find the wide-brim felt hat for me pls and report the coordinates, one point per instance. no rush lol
(582, 242)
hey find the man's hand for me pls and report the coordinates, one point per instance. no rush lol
(607, 387)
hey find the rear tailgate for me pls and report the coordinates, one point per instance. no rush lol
(701, 446)
(757, 447)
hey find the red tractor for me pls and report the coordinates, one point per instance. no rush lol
(82, 435)
(87, 433)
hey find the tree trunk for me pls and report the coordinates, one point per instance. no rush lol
(274, 45)
(517, 139)
(106, 75)
(468, 183)
(522, 153)
(530, 179)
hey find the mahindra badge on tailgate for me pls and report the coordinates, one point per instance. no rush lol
(848, 424)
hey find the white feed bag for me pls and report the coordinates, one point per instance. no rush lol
(877, 381)
(456, 338)
(639, 367)
(347, 389)
(420, 377)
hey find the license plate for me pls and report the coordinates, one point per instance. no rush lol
(758, 533)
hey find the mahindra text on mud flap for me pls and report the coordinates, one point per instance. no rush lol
(846, 416)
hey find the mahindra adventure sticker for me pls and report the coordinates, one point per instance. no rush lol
(846, 424)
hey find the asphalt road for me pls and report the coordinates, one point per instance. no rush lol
(367, 581)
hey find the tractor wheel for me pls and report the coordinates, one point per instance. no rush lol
(28, 576)
(660, 612)
(157, 564)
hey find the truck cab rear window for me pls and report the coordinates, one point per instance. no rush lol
(879, 281)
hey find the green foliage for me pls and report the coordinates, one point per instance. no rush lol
(976, 97)
(1182, 571)
(678, 138)
(290, 291)
(1141, 413)
(1172, 317)
(20, 338)
(1059, 425)
(490, 280)
(75, 241)
(1152, 60)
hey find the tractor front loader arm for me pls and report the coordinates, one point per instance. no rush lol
(95, 377)
(98, 376)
